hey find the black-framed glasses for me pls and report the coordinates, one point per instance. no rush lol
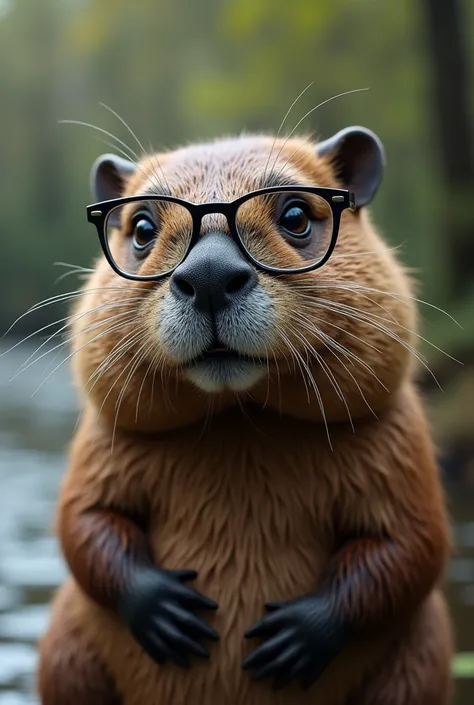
(306, 217)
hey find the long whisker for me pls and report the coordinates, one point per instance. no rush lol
(397, 296)
(89, 392)
(119, 344)
(71, 355)
(363, 296)
(74, 266)
(327, 370)
(128, 317)
(126, 346)
(281, 127)
(127, 127)
(358, 316)
(112, 358)
(330, 344)
(147, 372)
(70, 320)
(343, 349)
(320, 105)
(156, 184)
(372, 252)
(68, 296)
(381, 318)
(139, 356)
(134, 367)
(296, 361)
(312, 382)
(129, 153)
(74, 269)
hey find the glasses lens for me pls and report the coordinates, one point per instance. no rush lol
(287, 230)
(148, 237)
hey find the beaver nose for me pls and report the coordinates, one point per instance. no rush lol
(213, 275)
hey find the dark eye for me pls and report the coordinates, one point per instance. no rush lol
(295, 219)
(144, 231)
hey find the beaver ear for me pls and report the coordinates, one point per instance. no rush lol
(358, 157)
(109, 175)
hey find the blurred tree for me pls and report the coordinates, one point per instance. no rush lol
(455, 143)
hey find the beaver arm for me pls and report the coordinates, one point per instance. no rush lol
(373, 583)
(110, 558)
(103, 548)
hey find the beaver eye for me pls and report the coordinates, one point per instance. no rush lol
(295, 219)
(144, 231)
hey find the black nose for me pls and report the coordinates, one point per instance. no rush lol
(214, 274)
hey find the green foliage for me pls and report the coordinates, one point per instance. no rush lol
(463, 665)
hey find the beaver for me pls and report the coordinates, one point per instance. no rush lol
(252, 512)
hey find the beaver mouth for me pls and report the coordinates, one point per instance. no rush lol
(222, 354)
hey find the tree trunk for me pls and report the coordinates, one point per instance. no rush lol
(450, 109)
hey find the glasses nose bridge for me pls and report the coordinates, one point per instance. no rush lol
(204, 209)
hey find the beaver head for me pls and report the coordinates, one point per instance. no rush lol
(231, 322)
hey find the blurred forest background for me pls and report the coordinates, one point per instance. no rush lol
(184, 70)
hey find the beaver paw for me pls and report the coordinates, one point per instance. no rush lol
(157, 608)
(301, 638)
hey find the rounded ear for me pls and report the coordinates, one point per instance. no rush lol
(109, 175)
(358, 157)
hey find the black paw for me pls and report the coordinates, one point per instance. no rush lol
(158, 609)
(301, 638)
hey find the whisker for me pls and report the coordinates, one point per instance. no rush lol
(313, 384)
(71, 355)
(138, 356)
(344, 350)
(74, 266)
(397, 296)
(127, 127)
(129, 343)
(68, 296)
(311, 136)
(327, 371)
(74, 269)
(112, 358)
(373, 252)
(364, 296)
(69, 274)
(358, 316)
(329, 345)
(70, 320)
(156, 184)
(127, 151)
(296, 361)
(148, 370)
(130, 151)
(126, 347)
(329, 348)
(320, 105)
(376, 316)
(281, 127)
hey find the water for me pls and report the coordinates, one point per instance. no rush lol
(34, 435)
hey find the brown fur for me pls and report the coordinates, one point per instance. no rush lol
(246, 489)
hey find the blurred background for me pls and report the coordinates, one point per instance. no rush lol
(182, 70)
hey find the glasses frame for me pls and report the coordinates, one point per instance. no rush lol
(337, 199)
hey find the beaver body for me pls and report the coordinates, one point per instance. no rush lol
(263, 494)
